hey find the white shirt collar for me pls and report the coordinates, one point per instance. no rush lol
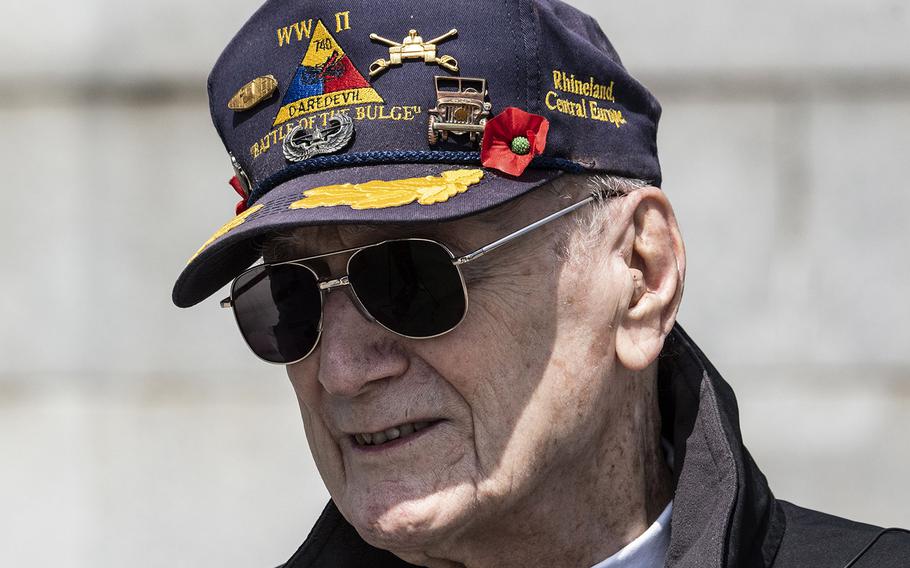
(649, 550)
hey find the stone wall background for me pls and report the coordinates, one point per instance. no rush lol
(135, 432)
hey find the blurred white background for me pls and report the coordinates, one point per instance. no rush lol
(136, 433)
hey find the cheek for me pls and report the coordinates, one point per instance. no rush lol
(503, 341)
(514, 308)
(497, 358)
(510, 320)
(303, 378)
(325, 451)
(550, 347)
(590, 310)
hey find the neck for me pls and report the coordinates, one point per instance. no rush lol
(589, 510)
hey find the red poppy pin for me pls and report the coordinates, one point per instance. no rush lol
(238, 187)
(511, 139)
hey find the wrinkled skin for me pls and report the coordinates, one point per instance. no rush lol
(547, 452)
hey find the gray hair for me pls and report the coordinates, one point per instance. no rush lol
(590, 223)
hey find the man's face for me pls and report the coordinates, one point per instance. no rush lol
(509, 400)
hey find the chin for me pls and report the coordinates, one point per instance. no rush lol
(405, 521)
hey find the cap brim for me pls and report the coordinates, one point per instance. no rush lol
(238, 244)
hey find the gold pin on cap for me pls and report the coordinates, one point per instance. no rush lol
(414, 48)
(253, 93)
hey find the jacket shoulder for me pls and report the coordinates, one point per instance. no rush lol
(813, 538)
(333, 543)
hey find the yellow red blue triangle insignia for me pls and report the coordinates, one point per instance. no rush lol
(326, 78)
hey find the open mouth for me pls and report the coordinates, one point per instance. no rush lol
(391, 434)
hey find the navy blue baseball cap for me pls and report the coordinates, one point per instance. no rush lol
(400, 112)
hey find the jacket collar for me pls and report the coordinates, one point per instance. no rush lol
(724, 514)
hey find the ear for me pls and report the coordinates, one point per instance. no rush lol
(656, 264)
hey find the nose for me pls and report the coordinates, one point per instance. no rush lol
(354, 352)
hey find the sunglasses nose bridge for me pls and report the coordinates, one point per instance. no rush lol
(329, 285)
(334, 284)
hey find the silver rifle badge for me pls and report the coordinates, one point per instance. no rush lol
(302, 143)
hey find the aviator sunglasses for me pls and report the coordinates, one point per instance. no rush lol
(412, 287)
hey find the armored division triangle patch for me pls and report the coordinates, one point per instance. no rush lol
(325, 79)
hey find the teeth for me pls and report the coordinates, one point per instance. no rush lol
(388, 435)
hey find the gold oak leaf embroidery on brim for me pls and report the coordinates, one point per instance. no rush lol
(225, 229)
(377, 194)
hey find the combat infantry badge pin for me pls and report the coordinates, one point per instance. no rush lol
(413, 47)
(253, 93)
(302, 144)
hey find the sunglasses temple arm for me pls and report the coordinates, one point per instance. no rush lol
(523, 231)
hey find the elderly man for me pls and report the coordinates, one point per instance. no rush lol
(473, 278)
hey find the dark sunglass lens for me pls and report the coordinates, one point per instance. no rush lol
(278, 310)
(411, 287)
